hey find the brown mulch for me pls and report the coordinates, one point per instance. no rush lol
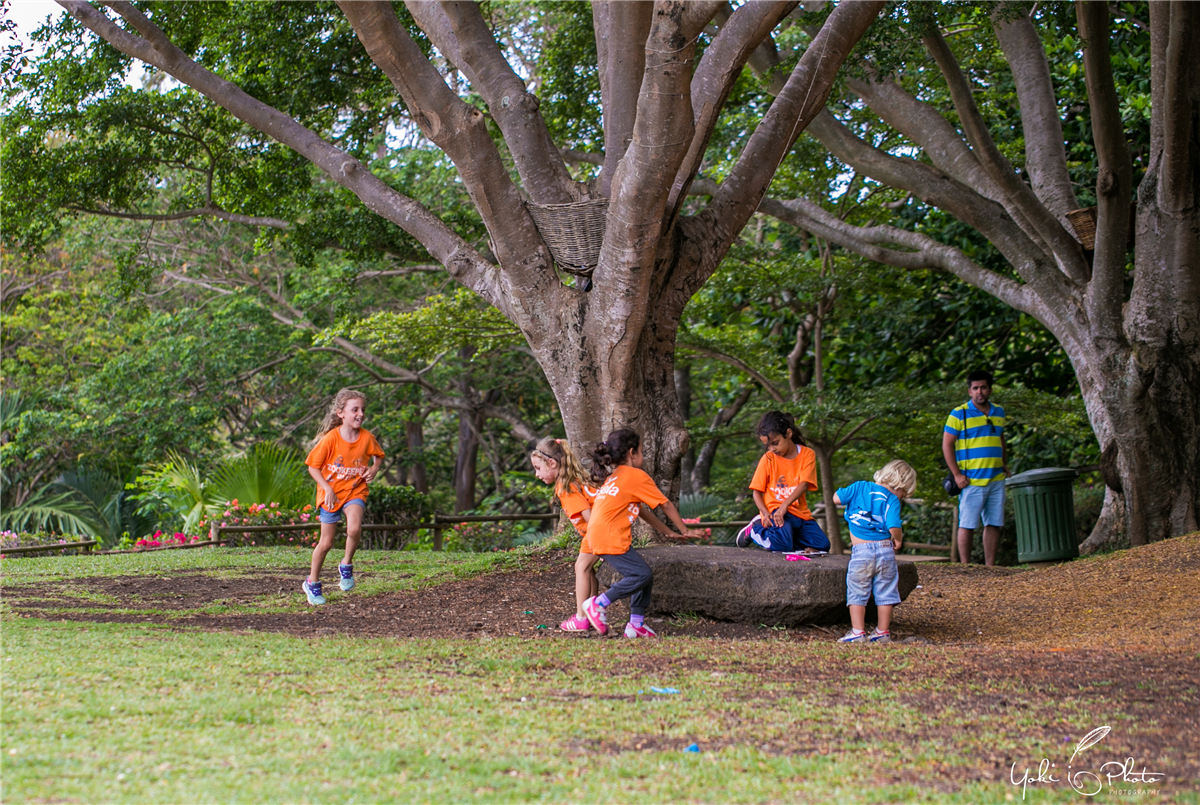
(1144, 597)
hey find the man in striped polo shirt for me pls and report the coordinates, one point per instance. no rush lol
(974, 449)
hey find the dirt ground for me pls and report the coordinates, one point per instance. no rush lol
(1132, 600)
(1123, 622)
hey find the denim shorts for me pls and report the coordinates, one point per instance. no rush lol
(981, 502)
(329, 518)
(872, 569)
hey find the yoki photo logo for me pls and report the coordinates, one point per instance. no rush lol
(1084, 774)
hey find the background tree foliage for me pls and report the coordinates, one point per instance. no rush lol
(176, 281)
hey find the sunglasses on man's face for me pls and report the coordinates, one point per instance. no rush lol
(991, 425)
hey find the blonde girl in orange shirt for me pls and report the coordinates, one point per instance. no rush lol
(344, 458)
(626, 494)
(555, 463)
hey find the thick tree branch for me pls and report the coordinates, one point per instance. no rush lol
(581, 157)
(1114, 180)
(514, 109)
(633, 240)
(925, 126)
(154, 48)
(210, 210)
(719, 68)
(1045, 151)
(802, 99)
(939, 190)
(460, 130)
(1066, 250)
(1177, 175)
(872, 242)
(621, 27)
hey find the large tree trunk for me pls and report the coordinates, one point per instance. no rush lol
(683, 390)
(608, 354)
(465, 461)
(417, 477)
(825, 469)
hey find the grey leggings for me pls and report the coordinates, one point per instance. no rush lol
(635, 583)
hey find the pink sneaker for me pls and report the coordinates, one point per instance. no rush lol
(632, 631)
(596, 615)
(575, 624)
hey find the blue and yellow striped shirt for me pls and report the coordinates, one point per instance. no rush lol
(978, 445)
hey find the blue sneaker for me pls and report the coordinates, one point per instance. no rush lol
(312, 589)
(347, 577)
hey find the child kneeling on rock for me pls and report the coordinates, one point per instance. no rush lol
(873, 515)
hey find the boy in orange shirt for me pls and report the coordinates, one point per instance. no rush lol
(785, 473)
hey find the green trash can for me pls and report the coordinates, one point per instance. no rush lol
(1044, 503)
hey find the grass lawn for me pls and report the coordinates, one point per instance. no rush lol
(137, 712)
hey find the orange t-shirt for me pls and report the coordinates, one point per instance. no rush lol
(777, 478)
(575, 500)
(343, 464)
(617, 506)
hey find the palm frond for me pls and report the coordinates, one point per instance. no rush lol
(267, 474)
(49, 509)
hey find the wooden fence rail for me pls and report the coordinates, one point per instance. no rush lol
(437, 523)
(86, 545)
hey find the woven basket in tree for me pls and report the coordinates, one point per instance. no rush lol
(574, 232)
(1084, 223)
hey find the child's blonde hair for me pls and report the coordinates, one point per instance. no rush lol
(899, 477)
(333, 417)
(570, 471)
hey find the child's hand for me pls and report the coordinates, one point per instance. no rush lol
(897, 543)
(777, 516)
(331, 500)
(694, 533)
(371, 472)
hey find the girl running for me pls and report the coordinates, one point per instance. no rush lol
(626, 489)
(338, 462)
(555, 463)
(785, 473)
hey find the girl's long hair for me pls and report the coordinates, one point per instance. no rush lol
(777, 422)
(609, 454)
(333, 418)
(570, 471)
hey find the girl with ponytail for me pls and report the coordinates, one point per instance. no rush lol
(555, 463)
(785, 473)
(344, 458)
(626, 494)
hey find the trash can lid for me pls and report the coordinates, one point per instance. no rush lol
(1046, 475)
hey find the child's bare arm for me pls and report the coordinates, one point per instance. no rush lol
(647, 514)
(330, 496)
(801, 488)
(586, 514)
(673, 514)
(838, 500)
(761, 502)
(373, 470)
(897, 538)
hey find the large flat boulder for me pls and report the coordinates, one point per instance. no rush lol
(749, 585)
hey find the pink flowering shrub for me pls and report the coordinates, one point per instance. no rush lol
(160, 540)
(26, 539)
(255, 514)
